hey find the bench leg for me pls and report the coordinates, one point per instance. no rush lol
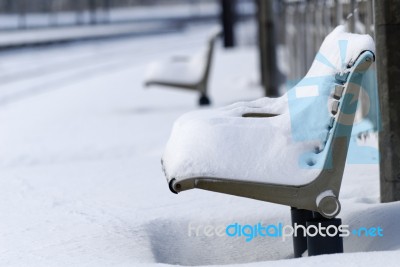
(204, 100)
(321, 242)
(300, 217)
(326, 241)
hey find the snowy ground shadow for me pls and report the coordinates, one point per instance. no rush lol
(171, 244)
(380, 215)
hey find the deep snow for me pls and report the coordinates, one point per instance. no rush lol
(80, 176)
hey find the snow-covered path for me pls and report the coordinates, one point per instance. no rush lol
(80, 175)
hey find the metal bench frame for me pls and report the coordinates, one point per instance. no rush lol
(201, 85)
(317, 201)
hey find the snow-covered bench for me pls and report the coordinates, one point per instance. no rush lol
(186, 72)
(290, 150)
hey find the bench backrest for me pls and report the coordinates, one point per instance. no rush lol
(208, 59)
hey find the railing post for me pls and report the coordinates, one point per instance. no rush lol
(53, 9)
(267, 47)
(339, 12)
(352, 19)
(93, 11)
(387, 32)
(369, 18)
(228, 20)
(22, 14)
(78, 12)
(107, 5)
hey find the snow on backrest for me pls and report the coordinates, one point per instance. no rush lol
(338, 50)
(197, 63)
(309, 101)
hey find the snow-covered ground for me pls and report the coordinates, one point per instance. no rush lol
(187, 11)
(50, 35)
(80, 174)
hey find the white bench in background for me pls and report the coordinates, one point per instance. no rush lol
(186, 72)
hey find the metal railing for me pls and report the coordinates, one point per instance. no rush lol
(22, 14)
(303, 25)
(307, 22)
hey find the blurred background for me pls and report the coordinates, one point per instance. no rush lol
(286, 33)
(283, 35)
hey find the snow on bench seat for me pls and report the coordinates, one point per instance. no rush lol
(179, 69)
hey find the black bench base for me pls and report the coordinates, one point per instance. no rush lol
(204, 100)
(321, 242)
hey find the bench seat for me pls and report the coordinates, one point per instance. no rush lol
(274, 149)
